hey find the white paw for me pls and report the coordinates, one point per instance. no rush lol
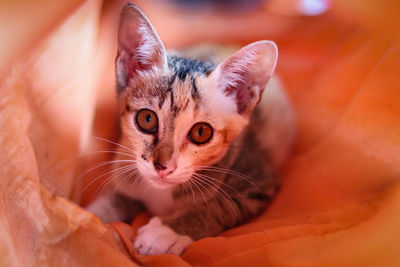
(156, 238)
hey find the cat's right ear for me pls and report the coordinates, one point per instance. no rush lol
(139, 47)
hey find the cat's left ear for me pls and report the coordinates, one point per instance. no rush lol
(139, 47)
(244, 75)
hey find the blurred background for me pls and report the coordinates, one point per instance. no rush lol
(338, 61)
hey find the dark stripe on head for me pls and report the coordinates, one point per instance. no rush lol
(163, 95)
(194, 91)
(185, 66)
(185, 106)
(174, 108)
(171, 81)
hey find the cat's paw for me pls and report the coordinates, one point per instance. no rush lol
(156, 238)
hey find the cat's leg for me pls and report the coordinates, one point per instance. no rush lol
(114, 207)
(172, 234)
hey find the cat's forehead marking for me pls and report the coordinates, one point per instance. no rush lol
(195, 91)
(182, 67)
(182, 94)
(175, 91)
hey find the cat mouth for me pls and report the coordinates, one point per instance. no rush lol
(165, 181)
(158, 181)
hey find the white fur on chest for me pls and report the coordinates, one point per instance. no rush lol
(159, 202)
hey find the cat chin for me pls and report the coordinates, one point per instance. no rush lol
(156, 182)
(159, 183)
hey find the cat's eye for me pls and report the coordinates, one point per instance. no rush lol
(147, 121)
(200, 133)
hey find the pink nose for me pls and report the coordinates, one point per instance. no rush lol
(162, 169)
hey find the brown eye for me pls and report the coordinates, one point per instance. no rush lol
(200, 133)
(147, 121)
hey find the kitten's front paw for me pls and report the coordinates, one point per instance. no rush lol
(156, 238)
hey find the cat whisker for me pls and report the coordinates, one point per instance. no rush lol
(221, 183)
(185, 187)
(191, 189)
(126, 178)
(201, 191)
(72, 160)
(187, 183)
(107, 151)
(115, 176)
(114, 193)
(138, 178)
(114, 143)
(214, 168)
(231, 172)
(220, 192)
(98, 177)
(192, 182)
(184, 184)
(101, 164)
(207, 186)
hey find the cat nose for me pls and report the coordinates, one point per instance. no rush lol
(158, 166)
(164, 169)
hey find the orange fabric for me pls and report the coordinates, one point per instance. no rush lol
(340, 198)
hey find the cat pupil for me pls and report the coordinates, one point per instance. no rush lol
(200, 131)
(148, 118)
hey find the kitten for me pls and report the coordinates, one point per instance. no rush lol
(195, 149)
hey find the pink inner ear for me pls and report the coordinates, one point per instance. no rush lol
(246, 73)
(241, 90)
(139, 47)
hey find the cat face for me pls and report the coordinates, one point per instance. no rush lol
(178, 114)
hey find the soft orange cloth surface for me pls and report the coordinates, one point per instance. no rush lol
(340, 200)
